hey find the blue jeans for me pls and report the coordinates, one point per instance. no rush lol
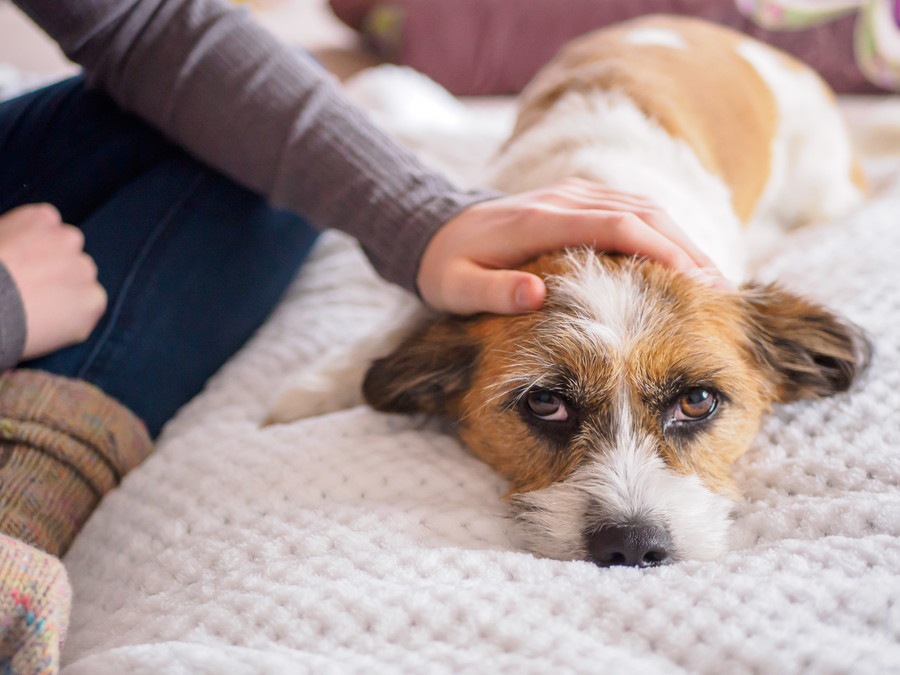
(192, 263)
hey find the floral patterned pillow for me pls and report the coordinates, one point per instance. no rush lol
(482, 47)
(876, 34)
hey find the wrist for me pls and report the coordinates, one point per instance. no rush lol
(13, 325)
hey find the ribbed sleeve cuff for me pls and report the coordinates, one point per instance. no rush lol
(398, 260)
(12, 321)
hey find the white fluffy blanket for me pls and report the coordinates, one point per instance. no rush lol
(363, 542)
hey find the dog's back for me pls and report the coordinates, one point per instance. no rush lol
(716, 127)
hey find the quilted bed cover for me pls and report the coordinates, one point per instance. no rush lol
(359, 542)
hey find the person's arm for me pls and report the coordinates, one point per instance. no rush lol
(268, 116)
(222, 87)
(12, 321)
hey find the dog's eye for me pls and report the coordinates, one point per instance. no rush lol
(695, 404)
(545, 405)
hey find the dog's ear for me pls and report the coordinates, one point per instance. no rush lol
(428, 372)
(808, 350)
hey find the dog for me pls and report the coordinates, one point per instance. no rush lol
(618, 409)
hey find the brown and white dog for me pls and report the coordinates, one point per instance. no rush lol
(618, 409)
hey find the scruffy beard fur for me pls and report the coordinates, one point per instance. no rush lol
(624, 478)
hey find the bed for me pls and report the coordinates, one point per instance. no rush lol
(364, 542)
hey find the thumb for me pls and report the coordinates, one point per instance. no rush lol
(498, 292)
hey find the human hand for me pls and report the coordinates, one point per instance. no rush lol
(56, 279)
(465, 268)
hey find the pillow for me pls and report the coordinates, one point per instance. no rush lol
(486, 47)
(353, 12)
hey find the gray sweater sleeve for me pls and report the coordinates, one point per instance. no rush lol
(222, 87)
(12, 321)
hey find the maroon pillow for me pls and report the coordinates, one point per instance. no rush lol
(352, 12)
(485, 47)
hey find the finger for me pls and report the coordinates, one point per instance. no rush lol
(529, 292)
(602, 191)
(589, 196)
(618, 231)
(73, 237)
(91, 267)
(632, 234)
(585, 192)
(586, 198)
(663, 224)
(94, 301)
(478, 289)
(596, 192)
(585, 201)
(100, 303)
(42, 213)
(31, 215)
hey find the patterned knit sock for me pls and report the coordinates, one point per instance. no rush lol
(34, 609)
(63, 445)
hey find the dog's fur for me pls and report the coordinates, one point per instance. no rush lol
(618, 409)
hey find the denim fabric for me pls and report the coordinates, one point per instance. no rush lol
(192, 262)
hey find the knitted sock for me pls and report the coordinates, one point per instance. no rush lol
(34, 609)
(63, 445)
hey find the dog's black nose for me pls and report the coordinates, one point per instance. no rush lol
(631, 545)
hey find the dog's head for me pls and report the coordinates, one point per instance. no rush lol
(617, 410)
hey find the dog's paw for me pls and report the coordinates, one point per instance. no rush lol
(317, 392)
(335, 382)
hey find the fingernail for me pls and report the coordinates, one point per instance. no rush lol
(523, 295)
(529, 294)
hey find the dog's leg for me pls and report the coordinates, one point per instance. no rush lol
(815, 175)
(335, 382)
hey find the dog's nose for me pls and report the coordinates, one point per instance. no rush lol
(631, 545)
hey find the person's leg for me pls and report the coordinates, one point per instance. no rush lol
(35, 598)
(63, 442)
(193, 265)
(192, 262)
(63, 445)
(72, 147)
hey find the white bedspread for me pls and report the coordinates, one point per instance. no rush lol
(363, 542)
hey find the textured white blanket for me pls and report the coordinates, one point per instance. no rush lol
(361, 542)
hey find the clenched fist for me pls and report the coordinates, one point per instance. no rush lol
(56, 279)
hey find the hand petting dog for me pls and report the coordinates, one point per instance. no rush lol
(466, 267)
